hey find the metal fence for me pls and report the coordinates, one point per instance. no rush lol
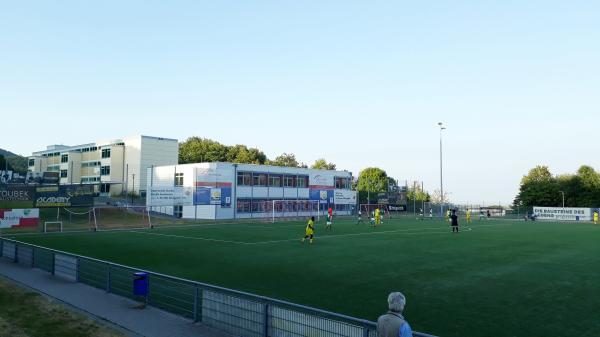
(234, 312)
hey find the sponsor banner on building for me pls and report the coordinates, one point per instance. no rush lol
(16, 193)
(563, 214)
(28, 217)
(320, 180)
(397, 208)
(64, 196)
(6, 176)
(213, 196)
(345, 197)
(171, 195)
(382, 198)
(324, 196)
(210, 175)
(50, 178)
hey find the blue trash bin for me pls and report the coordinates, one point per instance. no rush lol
(140, 284)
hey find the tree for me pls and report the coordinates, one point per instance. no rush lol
(15, 162)
(18, 164)
(436, 198)
(196, 150)
(286, 159)
(322, 164)
(371, 181)
(589, 177)
(538, 188)
(244, 155)
(418, 194)
(3, 164)
(539, 174)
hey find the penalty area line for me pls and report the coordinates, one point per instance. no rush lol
(420, 231)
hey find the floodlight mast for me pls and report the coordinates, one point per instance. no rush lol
(563, 198)
(442, 127)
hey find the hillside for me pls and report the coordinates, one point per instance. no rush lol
(15, 162)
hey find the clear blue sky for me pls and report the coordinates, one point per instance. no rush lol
(360, 83)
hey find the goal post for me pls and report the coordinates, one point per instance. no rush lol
(47, 223)
(294, 208)
(82, 218)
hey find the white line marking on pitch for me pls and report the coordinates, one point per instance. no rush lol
(402, 231)
(192, 238)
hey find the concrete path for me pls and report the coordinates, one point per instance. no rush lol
(150, 322)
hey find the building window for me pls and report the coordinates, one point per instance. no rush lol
(259, 179)
(342, 183)
(63, 173)
(260, 206)
(31, 162)
(104, 188)
(104, 170)
(64, 158)
(178, 179)
(274, 180)
(244, 179)
(289, 181)
(90, 164)
(243, 205)
(302, 182)
(90, 179)
(178, 211)
(105, 153)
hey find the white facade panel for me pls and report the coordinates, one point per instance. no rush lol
(157, 152)
(133, 151)
(189, 212)
(260, 192)
(276, 193)
(303, 193)
(290, 193)
(244, 192)
(205, 212)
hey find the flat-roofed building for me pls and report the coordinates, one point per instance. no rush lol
(231, 191)
(114, 166)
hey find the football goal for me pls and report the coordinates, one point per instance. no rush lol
(81, 218)
(53, 226)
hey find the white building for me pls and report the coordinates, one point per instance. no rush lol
(114, 166)
(230, 191)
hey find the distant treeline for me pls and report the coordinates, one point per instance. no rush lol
(541, 188)
(197, 150)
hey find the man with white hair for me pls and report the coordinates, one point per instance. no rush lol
(393, 324)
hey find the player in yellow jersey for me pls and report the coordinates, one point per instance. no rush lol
(310, 230)
(596, 217)
(468, 216)
(377, 216)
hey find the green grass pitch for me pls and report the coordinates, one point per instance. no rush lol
(494, 278)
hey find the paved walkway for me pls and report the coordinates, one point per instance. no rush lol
(150, 322)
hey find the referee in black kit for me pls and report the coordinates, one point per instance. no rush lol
(454, 221)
